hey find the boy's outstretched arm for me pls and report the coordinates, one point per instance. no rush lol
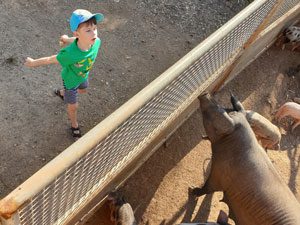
(30, 62)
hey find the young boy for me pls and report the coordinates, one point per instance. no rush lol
(76, 60)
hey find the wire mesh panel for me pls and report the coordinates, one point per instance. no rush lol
(75, 185)
(282, 9)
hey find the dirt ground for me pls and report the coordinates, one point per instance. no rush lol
(34, 125)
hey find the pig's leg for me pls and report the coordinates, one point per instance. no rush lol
(206, 189)
(297, 123)
(113, 215)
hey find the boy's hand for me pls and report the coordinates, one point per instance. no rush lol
(63, 40)
(29, 62)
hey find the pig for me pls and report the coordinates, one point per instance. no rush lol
(121, 211)
(241, 169)
(291, 109)
(265, 131)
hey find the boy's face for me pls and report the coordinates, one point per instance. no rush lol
(86, 33)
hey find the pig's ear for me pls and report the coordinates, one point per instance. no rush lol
(223, 124)
(236, 104)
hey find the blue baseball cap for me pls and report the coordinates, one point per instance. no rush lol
(80, 16)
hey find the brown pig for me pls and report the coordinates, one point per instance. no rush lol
(291, 109)
(241, 169)
(121, 211)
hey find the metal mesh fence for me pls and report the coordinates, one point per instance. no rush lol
(285, 4)
(68, 191)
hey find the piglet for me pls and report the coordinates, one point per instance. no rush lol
(266, 132)
(291, 109)
(121, 211)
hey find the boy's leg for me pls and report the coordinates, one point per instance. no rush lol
(62, 92)
(70, 97)
(82, 87)
(82, 91)
(72, 113)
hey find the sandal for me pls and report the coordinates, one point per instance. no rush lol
(76, 133)
(57, 92)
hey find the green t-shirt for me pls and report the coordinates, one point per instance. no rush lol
(76, 63)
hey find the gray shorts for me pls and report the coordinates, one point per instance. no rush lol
(70, 95)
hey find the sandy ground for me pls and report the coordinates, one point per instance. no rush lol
(34, 125)
(158, 191)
